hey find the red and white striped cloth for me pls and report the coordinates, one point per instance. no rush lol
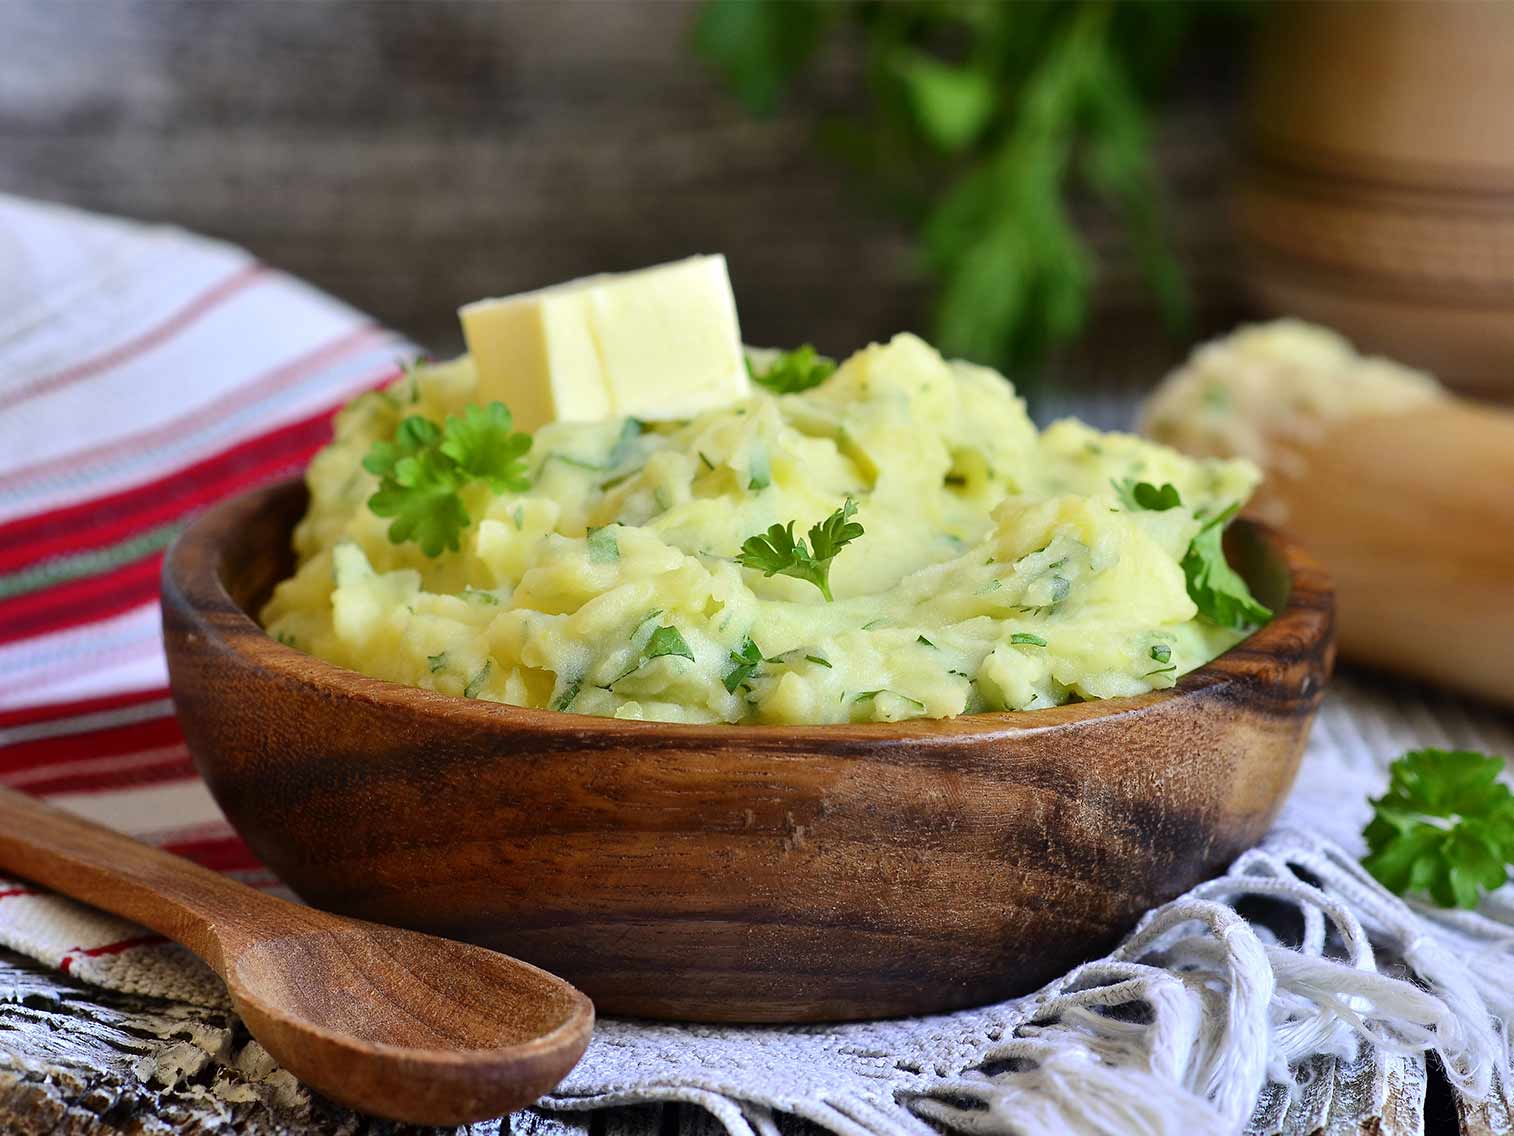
(144, 374)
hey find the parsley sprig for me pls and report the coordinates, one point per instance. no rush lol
(1216, 589)
(424, 466)
(794, 371)
(1445, 826)
(777, 552)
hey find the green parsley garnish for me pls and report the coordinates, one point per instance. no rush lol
(744, 663)
(794, 371)
(436, 662)
(777, 552)
(921, 639)
(569, 695)
(1161, 652)
(869, 695)
(1144, 495)
(424, 466)
(761, 473)
(1215, 587)
(476, 683)
(1027, 639)
(667, 641)
(1445, 826)
(818, 661)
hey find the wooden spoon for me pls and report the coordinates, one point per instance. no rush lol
(392, 1022)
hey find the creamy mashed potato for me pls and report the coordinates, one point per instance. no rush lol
(999, 568)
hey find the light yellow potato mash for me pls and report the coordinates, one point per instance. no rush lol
(997, 569)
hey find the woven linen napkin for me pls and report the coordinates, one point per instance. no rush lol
(145, 373)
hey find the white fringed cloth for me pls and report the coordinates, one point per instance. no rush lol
(1290, 995)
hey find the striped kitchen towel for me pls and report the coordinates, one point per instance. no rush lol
(144, 374)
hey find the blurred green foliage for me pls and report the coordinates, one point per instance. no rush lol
(983, 118)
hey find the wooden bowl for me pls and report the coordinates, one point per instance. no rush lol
(736, 873)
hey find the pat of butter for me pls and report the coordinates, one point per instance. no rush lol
(655, 344)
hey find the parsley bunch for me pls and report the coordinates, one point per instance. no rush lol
(424, 466)
(1216, 589)
(777, 552)
(980, 123)
(1445, 826)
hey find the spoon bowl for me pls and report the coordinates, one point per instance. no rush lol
(396, 1023)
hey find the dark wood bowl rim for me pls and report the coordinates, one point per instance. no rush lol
(192, 575)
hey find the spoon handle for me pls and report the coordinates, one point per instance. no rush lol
(166, 893)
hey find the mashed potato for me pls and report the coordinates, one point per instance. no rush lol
(998, 569)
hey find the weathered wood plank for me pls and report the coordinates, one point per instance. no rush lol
(76, 1060)
(410, 156)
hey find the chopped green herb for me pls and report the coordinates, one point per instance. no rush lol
(1144, 495)
(660, 495)
(437, 662)
(1215, 588)
(794, 371)
(520, 517)
(1161, 652)
(923, 640)
(744, 664)
(708, 464)
(869, 695)
(1445, 826)
(476, 683)
(818, 661)
(422, 469)
(642, 622)
(479, 595)
(777, 551)
(667, 641)
(761, 474)
(285, 638)
(1060, 587)
(872, 623)
(1027, 639)
(566, 699)
(603, 547)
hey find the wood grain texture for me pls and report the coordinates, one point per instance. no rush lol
(736, 873)
(77, 1060)
(410, 155)
(1389, 218)
(1414, 516)
(394, 1023)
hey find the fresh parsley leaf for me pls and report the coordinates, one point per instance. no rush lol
(437, 662)
(1215, 588)
(819, 661)
(761, 473)
(1445, 826)
(667, 641)
(1161, 652)
(1144, 495)
(744, 664)
(794, 371)
(777, 552)
(1025, 638)
(424, 466)
(869, 695)
(476, 683)
(422, 498)
(569, 694)
(411, 436)
(921, 639)
(480, 441)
